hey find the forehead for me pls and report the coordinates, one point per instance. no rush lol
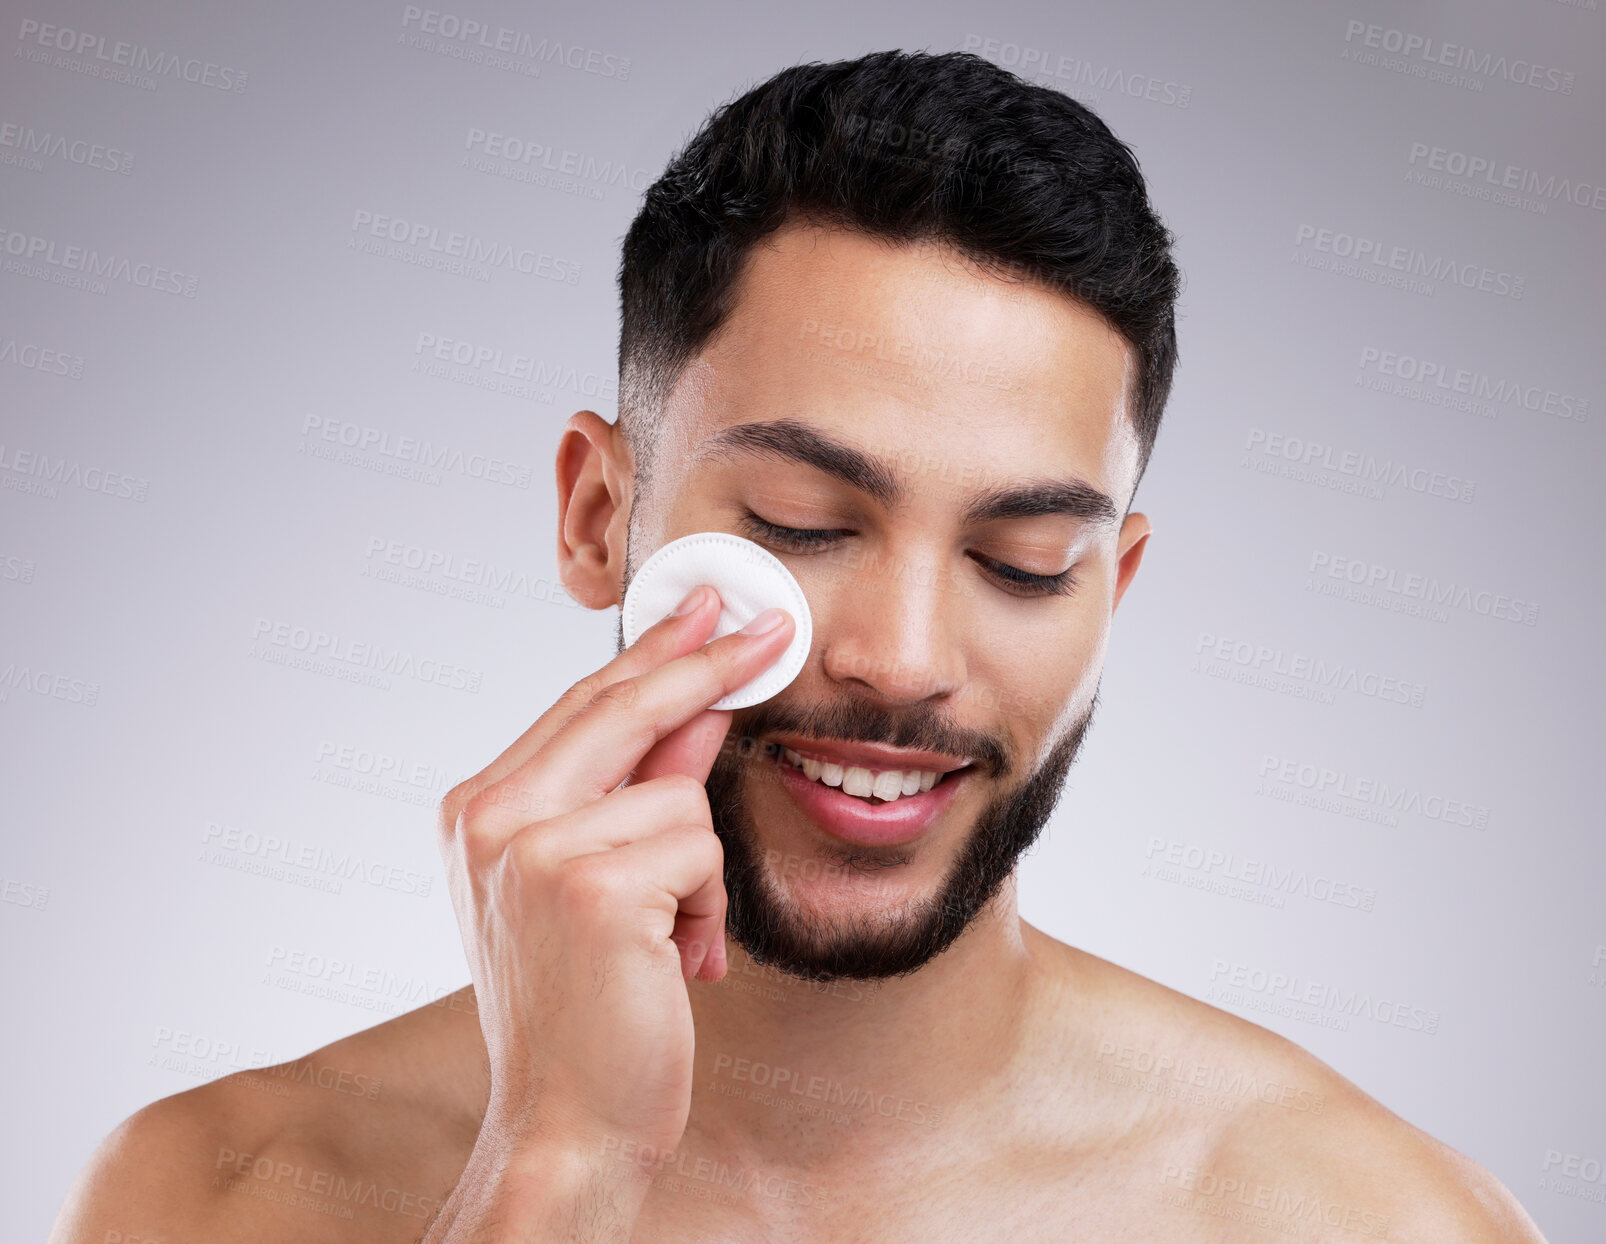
(888, 345)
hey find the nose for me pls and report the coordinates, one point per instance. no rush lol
(892, 625)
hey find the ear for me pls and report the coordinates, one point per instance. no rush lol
(595, 472)
(1135, 532)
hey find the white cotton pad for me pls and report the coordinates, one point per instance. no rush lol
(749, 579)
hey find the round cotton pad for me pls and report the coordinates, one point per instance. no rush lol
(749, 579)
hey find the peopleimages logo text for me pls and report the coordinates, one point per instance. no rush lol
(1496, 173)
(1408, 259)
(1431, 51)
(132, 56)
(514, 42)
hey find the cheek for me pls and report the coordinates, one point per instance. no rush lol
(1037, 676)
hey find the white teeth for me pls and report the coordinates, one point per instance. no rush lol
(856, 781)
(887, 784)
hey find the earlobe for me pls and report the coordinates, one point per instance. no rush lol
(1135, 532)
(593, 479)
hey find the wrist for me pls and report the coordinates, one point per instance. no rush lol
(557, 1178)
(551, 1130)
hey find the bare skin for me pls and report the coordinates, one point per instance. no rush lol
(617, 1071)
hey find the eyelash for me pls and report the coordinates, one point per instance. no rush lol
(801, 539)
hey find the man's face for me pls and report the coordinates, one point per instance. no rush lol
(986, 441)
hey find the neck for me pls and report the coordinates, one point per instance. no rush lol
(787, 1068)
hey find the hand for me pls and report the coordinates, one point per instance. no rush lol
(587, 881)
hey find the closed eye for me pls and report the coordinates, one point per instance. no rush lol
(811, 540)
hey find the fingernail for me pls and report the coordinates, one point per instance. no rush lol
(693, 599)
(766, 621)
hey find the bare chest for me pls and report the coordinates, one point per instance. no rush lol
(707, 1205)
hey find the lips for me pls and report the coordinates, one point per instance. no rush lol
(853, 819)
(874, 756)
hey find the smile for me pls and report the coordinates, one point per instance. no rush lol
(846, 800)
(875, 785)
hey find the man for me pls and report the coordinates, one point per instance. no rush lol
(907, 322)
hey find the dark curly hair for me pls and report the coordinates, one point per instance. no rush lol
(910, 147)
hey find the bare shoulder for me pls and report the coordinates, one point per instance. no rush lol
(1357, 1167)
(1245, 1127)
(363, 1138)
(1369, 1169)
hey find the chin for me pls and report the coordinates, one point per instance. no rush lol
(846, 888)
(826, 914)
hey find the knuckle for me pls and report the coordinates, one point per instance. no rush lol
(584, 691)
(686, 796)
(451, 808)
(722, 664)
(469, 834)
(587, 885)
(717, 656)
(714, 849)
(617, 695)
(474, 812)
(454, 830)
(472, 840)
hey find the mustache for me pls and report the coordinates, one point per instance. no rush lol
(858, 721)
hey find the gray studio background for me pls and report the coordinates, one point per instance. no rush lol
(1363, 651)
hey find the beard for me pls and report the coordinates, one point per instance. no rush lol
(776, 931)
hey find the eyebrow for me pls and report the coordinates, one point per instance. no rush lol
(791, 440)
